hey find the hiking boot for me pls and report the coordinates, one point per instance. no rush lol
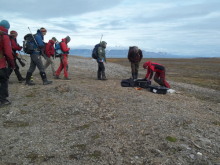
(28, 79)
(67, 78)
(104, 78)
(57, 77)
(4, 102)
(21, 79)
(44, 78)
(99, 78)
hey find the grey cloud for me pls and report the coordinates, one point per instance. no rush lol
(180, 12)
(50, 9)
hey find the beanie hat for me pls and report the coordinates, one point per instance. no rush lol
(43, 30)
(67, 39)
(13, 33)
(5, 24)
(54, 38)
(147, 64)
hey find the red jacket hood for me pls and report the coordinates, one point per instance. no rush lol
(51, 41)
(64, 40)
(147, 64)
(3, 29)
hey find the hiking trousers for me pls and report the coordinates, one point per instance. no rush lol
(63, 66)
(159, 77)
(36, 62)
(134, 67)
(49, 61)
(101, 69)
(3, 83)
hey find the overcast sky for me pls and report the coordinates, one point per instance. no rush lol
(181, 27)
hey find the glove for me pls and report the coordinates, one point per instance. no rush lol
(144, 79)
(148, 81)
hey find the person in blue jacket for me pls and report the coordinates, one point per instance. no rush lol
(36, 58)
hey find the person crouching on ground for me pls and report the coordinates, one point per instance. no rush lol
(134, 56)
(50, 54)
(159, 76)
(36, 58)
(15, 47)
(5, 56)
(63, 59)
(101, 59)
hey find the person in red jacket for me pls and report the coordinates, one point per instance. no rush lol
(63, 59)
(159, 76)
(50, 53)
(5, 56)
(15, 47)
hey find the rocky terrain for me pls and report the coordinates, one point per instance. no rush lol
(86, 121)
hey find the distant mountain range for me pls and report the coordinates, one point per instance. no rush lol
(123, 54)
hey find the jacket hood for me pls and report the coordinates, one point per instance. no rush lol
(3, 30)
(103, 43)
(39, 33)
(51, 41)
(64, 40)
(147, 64)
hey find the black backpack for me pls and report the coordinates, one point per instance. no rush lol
(95, 51)
(130, 48)
(28, 44)
(128, 83)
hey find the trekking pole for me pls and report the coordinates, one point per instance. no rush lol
(101, 38)
(37, 44)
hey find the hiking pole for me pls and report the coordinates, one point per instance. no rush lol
(101, 38)
(45, 57)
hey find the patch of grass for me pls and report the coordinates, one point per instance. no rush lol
(24, 104)
(79, 146)
(95, 154)
(23, 112)
(15, 124)
(31, 95)
(32, 156)
(96, 136)
(171, 139)
(216, 123)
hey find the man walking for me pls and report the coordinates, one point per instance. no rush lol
(15, 47)
(134, 56)
(36, 58)
(5, 56)
(50, 54)
(63, 59)
(101, 59)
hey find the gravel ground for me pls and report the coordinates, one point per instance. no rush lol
(86, 121)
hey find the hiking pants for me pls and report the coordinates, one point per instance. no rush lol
(49, 61)
(159, 77)
(63, 65)
(101, 69)
(16, 70)
(36, 61)
(134, 67)
(3, 83)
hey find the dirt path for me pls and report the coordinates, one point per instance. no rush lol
(86, 121)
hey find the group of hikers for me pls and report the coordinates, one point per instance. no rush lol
(8, 57)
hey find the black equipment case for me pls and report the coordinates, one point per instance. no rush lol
(158, 89)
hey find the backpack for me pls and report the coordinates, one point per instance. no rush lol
(130, 48)
(95, 51)
(28, 44)
(128, 83)
(58, 50)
